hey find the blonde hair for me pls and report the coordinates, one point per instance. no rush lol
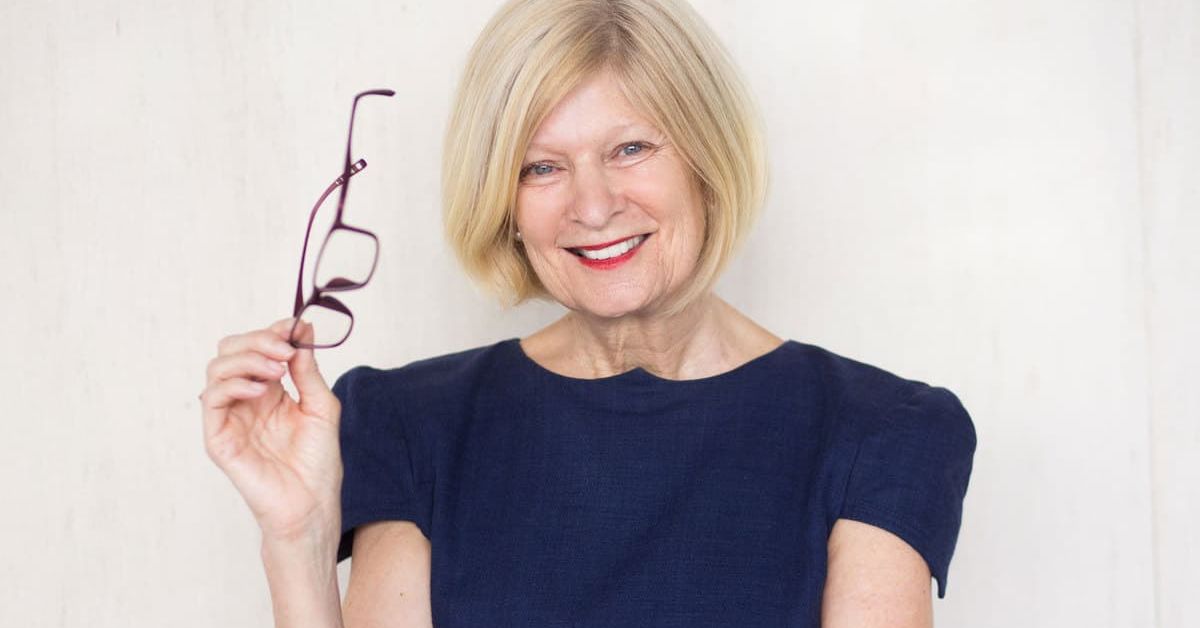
(532, 53)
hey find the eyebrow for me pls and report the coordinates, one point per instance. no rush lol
(617, 130)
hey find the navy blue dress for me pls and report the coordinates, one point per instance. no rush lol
(634, 500)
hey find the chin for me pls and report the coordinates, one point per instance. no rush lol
(611, 306)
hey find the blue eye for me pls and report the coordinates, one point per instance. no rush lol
(637, 145)
(537, 169)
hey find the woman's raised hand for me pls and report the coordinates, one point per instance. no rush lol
(281, 454)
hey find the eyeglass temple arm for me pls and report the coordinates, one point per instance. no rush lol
(350, 136)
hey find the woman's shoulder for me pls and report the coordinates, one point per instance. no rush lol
(452, 370)
(871, 395)
(844, 377)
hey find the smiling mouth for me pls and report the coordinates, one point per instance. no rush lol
(611, 250)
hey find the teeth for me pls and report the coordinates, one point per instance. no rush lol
(619, 248)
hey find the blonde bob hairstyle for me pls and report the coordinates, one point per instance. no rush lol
(669, 65)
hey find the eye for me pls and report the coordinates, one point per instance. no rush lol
(637, 146)
(536, 170)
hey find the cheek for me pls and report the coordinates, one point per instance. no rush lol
(537, 213)
(684, 257)
(687, 220)
(537, 220)
(696, 218)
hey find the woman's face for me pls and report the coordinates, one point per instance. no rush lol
(610, 216)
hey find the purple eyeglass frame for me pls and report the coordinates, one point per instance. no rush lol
(320, 296)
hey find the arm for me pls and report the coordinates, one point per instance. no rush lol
(282, 456)
(389, 578)
(389, 581)
(875, 580)
(302, 577)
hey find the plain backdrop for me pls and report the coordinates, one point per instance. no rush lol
(996, 196)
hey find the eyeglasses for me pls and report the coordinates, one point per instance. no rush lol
(348, 250)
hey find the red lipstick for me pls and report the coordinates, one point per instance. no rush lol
(595, 247)
(612, 262)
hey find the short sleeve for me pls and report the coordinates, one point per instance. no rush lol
(911, 472)
(378, 480)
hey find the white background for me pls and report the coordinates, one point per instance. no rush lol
(997, 196)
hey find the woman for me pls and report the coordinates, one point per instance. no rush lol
(652, 458)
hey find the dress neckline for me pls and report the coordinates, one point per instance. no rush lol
(641, 375)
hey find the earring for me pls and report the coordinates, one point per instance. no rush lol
(519, 236)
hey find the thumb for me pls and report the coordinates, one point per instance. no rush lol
(315, 396)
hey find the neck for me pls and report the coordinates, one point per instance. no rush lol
(706, 338)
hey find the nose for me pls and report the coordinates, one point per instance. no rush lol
(595, 200)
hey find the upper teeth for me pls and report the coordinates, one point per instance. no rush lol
(614, 250)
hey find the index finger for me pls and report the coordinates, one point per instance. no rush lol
(272, 340)
(283, 327)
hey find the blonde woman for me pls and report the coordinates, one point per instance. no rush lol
(652, 458)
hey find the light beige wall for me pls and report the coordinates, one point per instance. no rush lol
(998, 196)
(1169, 128)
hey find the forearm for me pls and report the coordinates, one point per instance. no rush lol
(302, 577)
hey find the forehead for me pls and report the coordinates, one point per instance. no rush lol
(596, 109)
